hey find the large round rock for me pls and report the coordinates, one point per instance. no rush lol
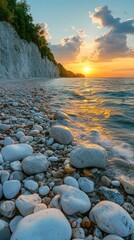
(37, 163)
(61, 134)
(73, 200)
(16, 152)
(91, 156)
(112, 218)
(47, 224)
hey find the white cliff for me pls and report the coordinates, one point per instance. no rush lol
(21, 59)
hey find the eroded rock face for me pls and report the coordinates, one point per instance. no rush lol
(47, 224)
(91, 156)
(112, 218)
(61, 134)
(16, 53)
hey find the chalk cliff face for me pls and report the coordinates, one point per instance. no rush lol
(21, 59)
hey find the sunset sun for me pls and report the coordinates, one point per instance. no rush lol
(86, 69)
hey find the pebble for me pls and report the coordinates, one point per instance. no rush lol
(111, 195)
(7, 209)
(69, 169)
(44, 190)
(4, 127)
(61, 134)
(59, 115)
(17, 175)
(71, 182)
(8, 141)
(15, 104)
(16, 166)
(16, 152)
(104, 215)
(128, 185)
(20, 134)
(11, 188)
(31, 185)
(14, 222)
(78, 233)
(91, 156)
(116, 183)
(27, 203)
(5, 233)
(86, 185)
(52, 159)
(4, 176)
(37, 163)
(105, 181)
(73, 200)
(50, 222)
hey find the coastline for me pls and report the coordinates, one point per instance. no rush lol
(25, 108)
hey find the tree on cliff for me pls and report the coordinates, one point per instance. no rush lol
(18, 14)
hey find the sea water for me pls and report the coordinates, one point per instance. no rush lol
(101, 111)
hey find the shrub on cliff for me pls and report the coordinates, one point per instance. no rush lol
(18, 14)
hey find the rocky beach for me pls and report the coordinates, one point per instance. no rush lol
(52, 187)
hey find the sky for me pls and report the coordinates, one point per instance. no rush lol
(93, 37)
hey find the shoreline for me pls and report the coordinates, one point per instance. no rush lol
(26, 109)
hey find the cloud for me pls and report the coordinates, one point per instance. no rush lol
(44, 31)
(114, 43)
(68, 49)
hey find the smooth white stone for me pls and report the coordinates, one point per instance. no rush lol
(91, 156)
(73, 200)
(14, 222)
(11, 188)
(112, 218)
(49, 224)
(16, 152)
(37, 163)
(44, 190)
(31, 185)
(61, 134)
(27, 203)
(71, 181)
(86, 185)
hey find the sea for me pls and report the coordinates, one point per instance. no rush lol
(101, 111)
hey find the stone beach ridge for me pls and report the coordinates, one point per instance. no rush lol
(51, 187)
